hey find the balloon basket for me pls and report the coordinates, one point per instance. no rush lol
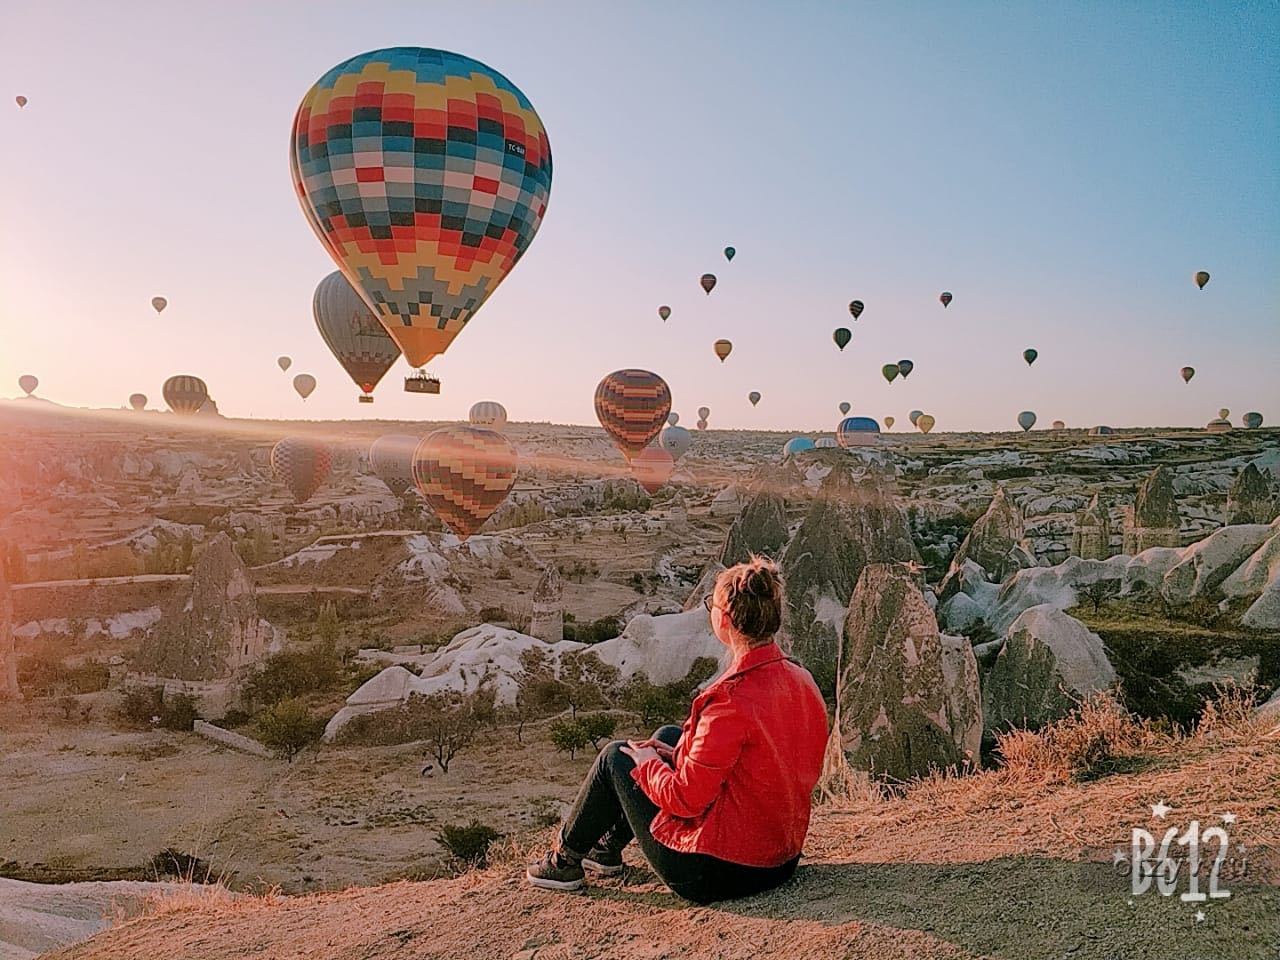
(364, 398)
(421, 383)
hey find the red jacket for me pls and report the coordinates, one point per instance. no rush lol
(748, 759)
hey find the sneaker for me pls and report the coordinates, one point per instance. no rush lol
(554, 872)
(605, 862)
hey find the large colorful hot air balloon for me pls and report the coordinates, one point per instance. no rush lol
(889, 371)
(925, 422)
(138, 401)
(1202, 277)
(1026, 420)
(652, 467)
(842, 336)
(1187, 373)
(664, 311)
(915, 415)
(856, 307)
(302, 465)
(723, 348)
(464, 473)
(159, 303)
(905, 367)
(20, 100)
(304, 384)
(391, 458)
(676, 441)
(425, 174)
(704, 413)
(889, 422)
(488, 413)
(796, 445)
(708, 282)
(27, 383)
(284, 363)
(857, 432)
(1030, 355)
(729, 253)
(632, 406)
(1253, 420)
(845, 406)
(754, 397)
(353, 334)
(184, 394)
(673, 418)
(946, 298)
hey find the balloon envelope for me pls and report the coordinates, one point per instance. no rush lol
(652, 467)
(284, 363)
(159, 303)
(723, 348)
(704, 413)
(889, 422)
(391, 458)
(754, 397)
(138, 401)
(905, 367)
(1059, 425)
(796, 445)
(1224, 413)
(184, 394)
(1253, 420)
(915, 415)
(664, 311)
(729, 253)
(856, 307)
(857, 432)
(701, 424)
(302, 465)
(925, 422)
(889, 371)
(823, 443)
(842, 336)
(1187, 373)
(946, 298)
(352, 333)
(28, 384)
(20, 100)
(708, 282)
(464, 473)
(426, 175)
(1030, 355)
(304, 384)
(1202, 277)
(845, 406)
(488, 413)
(673, 418)
(632, 405)
(676, 441)
(1026, 420)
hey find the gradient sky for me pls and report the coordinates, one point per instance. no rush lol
(1063, 169)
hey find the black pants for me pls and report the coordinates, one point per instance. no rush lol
(612, 810)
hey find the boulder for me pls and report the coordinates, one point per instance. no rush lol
(1146, 571)
(1259, 571)
(1049, 661)
(1207, 563)
(1059, 586)
(907, 702)
(996, 542)
(972, 600)
(1251, 498)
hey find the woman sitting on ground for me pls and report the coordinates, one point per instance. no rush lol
(720, 806)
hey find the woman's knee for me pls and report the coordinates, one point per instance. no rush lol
(668, 733)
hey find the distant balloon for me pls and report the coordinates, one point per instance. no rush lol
(676, 441)
(924, 422)
(424, 239)
(673, 418)
(20, 100)
(304, 384)
(184, 394)
(1030, 355)
(889, 422)
(723, 348)
(890, 371)
(824, 443)
(701, 424)
(488, 413)
(353, 333)
(796, 445)
(1187, 374)
(1202, 277)
(704, 413)
(28, 384)
(708, 282)
(1253, 420)
(1101, 430)
(842, 336)
(915, 415)
(845, 406)
(302, 465)
(946, 298)
(905, 367)
(754, 397)
(729, 253)
(138, 401)
(465, 473)
(664, 311)
(857, 432)
(652, 467)
(856, 307)
(1026, 420)
(284, 363)
(159, 303)
(1059, 425)
(391, 458)
(1224, 413)
(632, 405)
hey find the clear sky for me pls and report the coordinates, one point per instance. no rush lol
(1063, 169)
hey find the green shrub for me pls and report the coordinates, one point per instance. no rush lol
(598, 726)
(289, 726)
(141, 705)
(179, 712)
(293, 673)
(468, 845)
(569, 736)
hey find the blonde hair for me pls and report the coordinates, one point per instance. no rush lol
(752, 598)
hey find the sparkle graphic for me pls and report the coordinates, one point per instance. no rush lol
(1228, 818)
(1160, 809)
(1199, 916)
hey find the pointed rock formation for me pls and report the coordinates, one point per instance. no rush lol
(8, 656)
(1251, 498)
(761, 527)
(1207, 563)
(907, 698)
(547, 623)
(1153, 520)
(1091, 538)
(996, 542)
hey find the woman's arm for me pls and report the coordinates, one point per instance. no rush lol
(687, 790)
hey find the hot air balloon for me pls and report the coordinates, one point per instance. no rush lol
(652, 467)
(664, 311)
(823, 443)
(845, 406)
(20, 100)
(391, 458)
(1224, 413)
(889, 422)
(729, 253)
(673, 418)
(28, 384)
(1059, 425)
(857, 432)
(302, 465)
(1101, 430)
(284, 363)
(304, 384)
(723, 348)
(184, 394)
(1253, 420)
(905, 367)
(708, 281)
(842, 336)
(754, 397)
(1026, 420)
(946, 298)
(353, 334)
(159, 303)
(488, 413)
(1218, 425)
(676, 441)
(1202, 277)
(856, 307)
(138, 401)
(924, 422)
(796, 445)
(464, 473)
(426, 175)
(1030, 355)
(915, 415)
(701, 424)
(1187, 374)
(889, 371)
(704, 413)
(632, 406)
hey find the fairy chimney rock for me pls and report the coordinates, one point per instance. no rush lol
(547, 622)
(1153, 520)
(1251, 498)
(1091, 538)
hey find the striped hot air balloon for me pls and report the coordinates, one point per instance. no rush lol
(465, 473)
(652, 467)
(302, 465)
(632, 405)
(842, 336)
(825, 443)
(185, 394)
(857, 432)
(391, 459)
(708, 282)
(723, 348)
(488, 413)
(856, 307)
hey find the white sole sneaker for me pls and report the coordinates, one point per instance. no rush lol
(545, 884)
(602, 869)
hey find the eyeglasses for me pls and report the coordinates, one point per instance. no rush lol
(709, 601)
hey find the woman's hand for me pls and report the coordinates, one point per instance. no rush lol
(640, 752)
(665, 750)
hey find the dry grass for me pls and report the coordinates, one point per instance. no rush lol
(1095, 733)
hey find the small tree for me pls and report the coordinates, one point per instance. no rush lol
(288, 727)
(569, 736)
(598, 726)
(328, 624)
(588, 681)
(448, 720)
